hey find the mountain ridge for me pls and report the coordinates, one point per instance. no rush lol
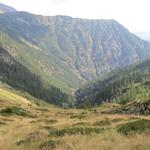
(5, 8)
(68, 52)
(144, 35)
(59, 19)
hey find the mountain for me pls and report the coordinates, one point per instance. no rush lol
(144, 35)
(123, 86)
(35, 45)
(5, 8)
(70, 51)
(67, 52)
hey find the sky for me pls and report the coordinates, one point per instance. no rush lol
(133, 14)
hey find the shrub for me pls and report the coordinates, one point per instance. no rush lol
(51, 121)
(50, 144)
(80, 124)
(26, 141)
(130, 128)
(79, 116)
(102, 123)
(74, 131)
(16, 111)
(117, 120)
(47, 127)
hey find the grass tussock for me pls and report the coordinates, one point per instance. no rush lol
(79, 116)
(49, 145)
(26, 141)
(47, 127)
(75, 131)
(51, 121)
(102, 123)
(117, 120)
(2, 123)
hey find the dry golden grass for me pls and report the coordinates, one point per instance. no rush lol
(106, 141)
(27, 133)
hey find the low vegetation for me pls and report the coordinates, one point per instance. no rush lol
(135, 127)
(2, 123)
(16, 111)
(78, 116)
(50, 144)
(102, 123)
(75, 131)
(26, 141)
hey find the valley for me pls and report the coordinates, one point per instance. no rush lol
(72, 84)
(31, 126)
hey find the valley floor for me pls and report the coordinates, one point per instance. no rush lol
(26, 126)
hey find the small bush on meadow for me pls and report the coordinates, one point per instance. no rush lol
(79, 116)
(74, 131)
(130, 128)
(50, 144)
(117, 120)
(51, 121)
(80, 124)
(102, 123)
(16, 111)
(26, 141)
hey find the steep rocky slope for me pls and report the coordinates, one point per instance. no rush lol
(70, 51)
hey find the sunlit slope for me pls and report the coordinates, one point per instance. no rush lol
(11, 97)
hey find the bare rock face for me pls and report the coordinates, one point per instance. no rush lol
(97, 46)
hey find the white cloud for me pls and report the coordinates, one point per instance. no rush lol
(134, 14)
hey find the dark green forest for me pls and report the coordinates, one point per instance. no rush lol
(20, 77)
(122, 86)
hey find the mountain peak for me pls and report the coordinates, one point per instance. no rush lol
(4, 8)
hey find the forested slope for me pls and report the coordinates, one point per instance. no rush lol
(19, 77)
(129, 84)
